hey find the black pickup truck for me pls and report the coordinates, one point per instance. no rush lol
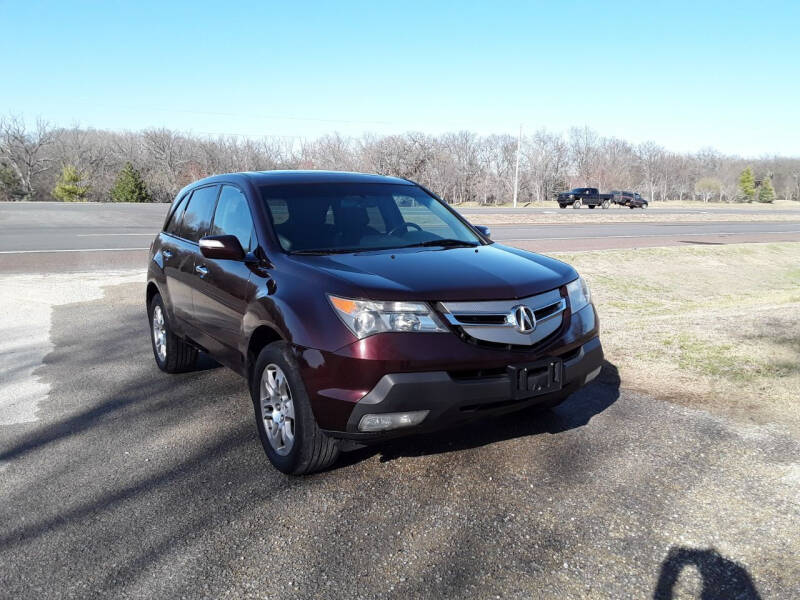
(578, 197)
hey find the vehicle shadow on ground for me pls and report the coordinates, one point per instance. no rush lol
(721, 578)
(575, 412)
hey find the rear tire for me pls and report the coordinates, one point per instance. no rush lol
(578, 203)
(292, 440)
(172, 354)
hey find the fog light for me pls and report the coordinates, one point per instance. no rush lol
(592, 375)
(386, 421)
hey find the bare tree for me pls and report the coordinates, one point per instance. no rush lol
(459, 166)
(651, 158)
(583, 147)
(23, 151)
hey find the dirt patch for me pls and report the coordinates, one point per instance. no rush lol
(714, 327)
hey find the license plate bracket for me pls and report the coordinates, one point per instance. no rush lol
(536, 378)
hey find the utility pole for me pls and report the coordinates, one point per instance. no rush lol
(516, 170)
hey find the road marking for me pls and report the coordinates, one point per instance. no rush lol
(70, 250)
(647, 235)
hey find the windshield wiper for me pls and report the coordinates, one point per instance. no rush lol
(446, 242)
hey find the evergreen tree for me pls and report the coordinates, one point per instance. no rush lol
(130, 187)
(766, 193)
(70, 186)
(747, 185)
(10, 188)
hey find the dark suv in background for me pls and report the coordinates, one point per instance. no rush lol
(360, 307)
(630, 199)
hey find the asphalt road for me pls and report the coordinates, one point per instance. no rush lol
(117, 480)
(53, 237)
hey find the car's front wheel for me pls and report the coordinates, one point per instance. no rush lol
(172, 354)
(286, 425)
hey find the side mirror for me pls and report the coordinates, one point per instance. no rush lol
(221, 247)
(484, 231)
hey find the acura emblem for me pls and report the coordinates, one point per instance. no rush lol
(524, 319)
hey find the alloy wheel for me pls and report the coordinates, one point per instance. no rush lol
(160, 333)
(277, 409)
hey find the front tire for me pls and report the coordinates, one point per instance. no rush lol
(172, 354)
(289, 433)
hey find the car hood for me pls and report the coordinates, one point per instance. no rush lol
(494, 272)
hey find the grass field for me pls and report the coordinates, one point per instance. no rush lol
(710, 327)
(660, 205)
(622, 215)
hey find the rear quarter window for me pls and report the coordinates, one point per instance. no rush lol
(173, 226)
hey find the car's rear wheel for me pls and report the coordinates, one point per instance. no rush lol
(289, 433)
(578, 203)
(172, 354)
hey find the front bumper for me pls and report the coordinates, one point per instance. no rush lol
(452, 401)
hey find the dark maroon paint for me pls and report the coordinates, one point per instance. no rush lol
(238, 306)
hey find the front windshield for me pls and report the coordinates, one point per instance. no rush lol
(341, 217)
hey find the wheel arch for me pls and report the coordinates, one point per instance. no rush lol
(152, 290)
(261, 336)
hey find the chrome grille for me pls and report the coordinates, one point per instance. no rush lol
(493, 320)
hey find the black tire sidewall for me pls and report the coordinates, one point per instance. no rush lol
(279, 353)
(157, 301)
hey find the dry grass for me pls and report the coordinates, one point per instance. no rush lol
(712, 327)
(754, 206)
(622, 215)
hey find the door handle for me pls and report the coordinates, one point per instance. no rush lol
(167, 253)
(202, 270)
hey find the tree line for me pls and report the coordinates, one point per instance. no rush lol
(42, 162)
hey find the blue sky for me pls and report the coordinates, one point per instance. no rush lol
(687, 75)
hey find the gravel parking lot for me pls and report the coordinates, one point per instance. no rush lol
(125, 482)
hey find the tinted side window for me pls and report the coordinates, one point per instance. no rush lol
(176, 218)
(197, 218)
(233, 217)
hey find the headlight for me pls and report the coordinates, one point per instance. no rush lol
(579, 295)
(368, 317)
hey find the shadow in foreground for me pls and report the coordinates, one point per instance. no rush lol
(723, 579)
(576, 411)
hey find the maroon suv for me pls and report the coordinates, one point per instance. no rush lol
(361, 307)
